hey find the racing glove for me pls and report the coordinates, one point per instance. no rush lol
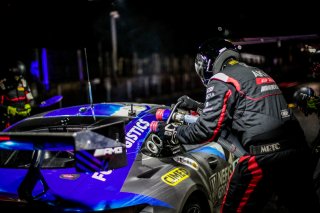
(11, 110)
(166, 132)
(190, 104)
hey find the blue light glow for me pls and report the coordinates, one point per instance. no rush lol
(45, 69)
(35, 69)
(11, 145)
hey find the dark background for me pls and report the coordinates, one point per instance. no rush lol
(170, 28)
(150, 25)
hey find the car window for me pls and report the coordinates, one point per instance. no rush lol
(22, 159)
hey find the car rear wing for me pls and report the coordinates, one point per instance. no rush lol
(93, 151)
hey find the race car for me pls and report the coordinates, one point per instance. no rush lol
(104, 157)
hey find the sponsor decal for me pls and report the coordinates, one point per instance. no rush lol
(259, 73)
(107, 151)
(284, 113)
(208, 109)
(210, 89)
(137, 130)
(270, 148)
(175, 176)
(208, 104)
(219, 181)
(265, 80)
(101, 175)
(209, 95)
(69, 176)
(187, 162)
(269, 87)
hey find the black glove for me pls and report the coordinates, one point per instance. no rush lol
(166, 132)
(190, 104)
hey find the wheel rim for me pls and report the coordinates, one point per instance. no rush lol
(194, 209)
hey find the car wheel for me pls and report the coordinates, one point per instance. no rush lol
(193, 205)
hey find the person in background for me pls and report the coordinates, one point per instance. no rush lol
(308, 102)
(16, 99)
(247, 103)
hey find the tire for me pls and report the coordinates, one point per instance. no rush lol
(194, 205)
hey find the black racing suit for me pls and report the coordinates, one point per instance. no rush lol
(249, 103)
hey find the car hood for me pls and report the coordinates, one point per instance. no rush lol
(102, 109)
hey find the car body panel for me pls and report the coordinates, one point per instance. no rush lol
(160, 183)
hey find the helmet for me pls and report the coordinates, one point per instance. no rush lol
(302, 95)
(306, 100)
(212, 55)
(17, 68)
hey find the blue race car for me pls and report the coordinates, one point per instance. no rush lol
(104, 158)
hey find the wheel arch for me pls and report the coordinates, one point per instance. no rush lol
(198, 194)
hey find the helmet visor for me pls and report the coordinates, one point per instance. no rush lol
(200, 67)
